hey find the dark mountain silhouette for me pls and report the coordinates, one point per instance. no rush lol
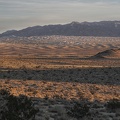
(103, 29)
(112, 53)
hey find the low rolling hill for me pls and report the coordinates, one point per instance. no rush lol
(111, 53)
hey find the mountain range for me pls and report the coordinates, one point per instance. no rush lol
(100, 29)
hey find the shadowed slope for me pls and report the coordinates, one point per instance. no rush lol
(112, 53)
(84, 75)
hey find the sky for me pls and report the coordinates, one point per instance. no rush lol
(19, 14)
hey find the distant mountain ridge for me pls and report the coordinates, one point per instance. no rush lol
(100, 29)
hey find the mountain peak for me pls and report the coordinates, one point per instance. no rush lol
(74, 23)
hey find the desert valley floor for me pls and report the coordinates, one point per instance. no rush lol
(56, 71)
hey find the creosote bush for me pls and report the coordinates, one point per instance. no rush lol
(16, 108)
(113, 104)
(79, 110)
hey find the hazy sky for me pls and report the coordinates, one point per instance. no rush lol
(18, 14)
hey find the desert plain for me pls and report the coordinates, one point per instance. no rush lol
(56, 71)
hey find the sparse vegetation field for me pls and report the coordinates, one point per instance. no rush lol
(61, 83)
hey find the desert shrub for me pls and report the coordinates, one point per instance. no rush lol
(57, 97)
(4, 93)
(16, 108)
(23, 67)
(113, 104)
(79, 110)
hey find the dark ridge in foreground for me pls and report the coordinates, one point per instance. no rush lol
(103, 29)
